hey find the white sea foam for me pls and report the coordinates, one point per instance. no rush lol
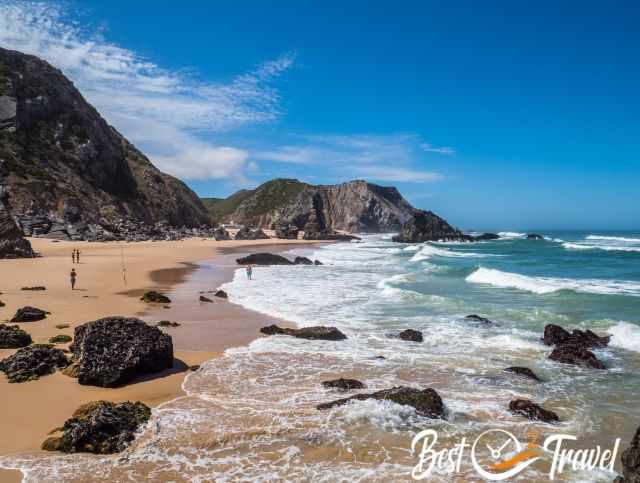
(614, 238)
(608, 248)
(428, 251)
(626, 336)
(512, 234)
(546, 285)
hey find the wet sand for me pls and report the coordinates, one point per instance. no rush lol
(30, 410)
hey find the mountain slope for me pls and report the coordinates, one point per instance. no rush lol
(60, 159)
(355, 206)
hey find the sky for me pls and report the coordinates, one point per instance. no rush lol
(495, 115)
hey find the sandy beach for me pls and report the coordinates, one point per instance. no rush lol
(30, 410)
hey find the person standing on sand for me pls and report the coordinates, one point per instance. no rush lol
(249, 272)
(77, 256)
(72, 276)
(73, 256)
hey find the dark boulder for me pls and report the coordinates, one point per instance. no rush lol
(263, 259)
(631, 461)
(167, 323)
(221, 294)
(287, 232)
(100, 427)
(220, 234)
(29, 363)
(534, 236)
(29, 314)
(317, 262)
(486, 237)
(13, 337)
(411, 335)
(556, 335)
(155, 297)
(302, 261)
(311, 333)
(329, 235)
(248, 234)
(523, 372)
(60, 339)
(426, 402)
(532, 411)
(112, 351)
(34, 289)
(205, 299)
(576, 355)
(12, 241)
(2, 304)
(343, 384)
(477, 318)
(426, 226)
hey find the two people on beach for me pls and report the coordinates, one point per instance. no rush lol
(75, 256)
(249, 272)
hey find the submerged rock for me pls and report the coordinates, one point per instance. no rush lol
(343, 384)
(534, 236)
(205, 299)
(556, 335)
(532, 411)
(263, 259)
(477, 318)
(576, 355)
(630, 460)
(426, 402)
(112, 351)
(155, 297)
(311, 333)
(411, 335)
(100, 427)
(13, 337)
(524, 372)
(29, 363)
(29, 314)
(302, 261)
(486, 237)
(221, 294)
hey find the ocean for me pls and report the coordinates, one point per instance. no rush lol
(250, 415)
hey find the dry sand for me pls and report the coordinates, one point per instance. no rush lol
(28, 411)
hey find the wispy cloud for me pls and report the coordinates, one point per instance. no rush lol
(427, 147)
(395, 158)
(163, 111)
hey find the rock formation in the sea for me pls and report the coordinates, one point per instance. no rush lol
(523, 372)
(317, 262)
(556, 335)
(263, 259)
(221, 294)
(486, 237)
(12, 242)
(343, 384)
(29, 363)
(99, 427)
(411, 335)
(302, 261)
(477, 318)
(532, 411)
(427, 402)
(630, 460)
(155, 297)
(67, 174)
(534, 236)
(13, 337)
(112, 351)
(29, 314)
(312, 333)
(247, 233)
(426, 226)
(355, 206)
(576, 355)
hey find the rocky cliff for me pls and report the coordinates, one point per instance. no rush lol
(356, 206)
(63, 164)
(12, 243)
(426, 226)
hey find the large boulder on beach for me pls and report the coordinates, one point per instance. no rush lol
(343, 384)
(220, 234)
(523, 372)
(247, 233)
(556, 335)
(29, 314)
(155, 297)
(426, 226)
(13, 337)
(311, 333)
(12, 241)
(99, 427)
(29, 363)
(630, 460)
(287, 232)
(576, 355)
(263, 259)
(112, 351)
(426, 402)
(411, 335)
(221, 294)
(532, 411)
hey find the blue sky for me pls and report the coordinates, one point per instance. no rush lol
(495, 115)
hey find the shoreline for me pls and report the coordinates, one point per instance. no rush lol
(207, 329)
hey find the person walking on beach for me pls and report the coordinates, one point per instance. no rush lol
(77, 256)
(72, 276)
(73, 256)
(249, 272)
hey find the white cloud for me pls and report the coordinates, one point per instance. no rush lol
(393, 158)
(157, 108)
(432, 149)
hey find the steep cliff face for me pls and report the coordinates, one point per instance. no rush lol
(60, 159)
(356, 206)
(426, 226)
